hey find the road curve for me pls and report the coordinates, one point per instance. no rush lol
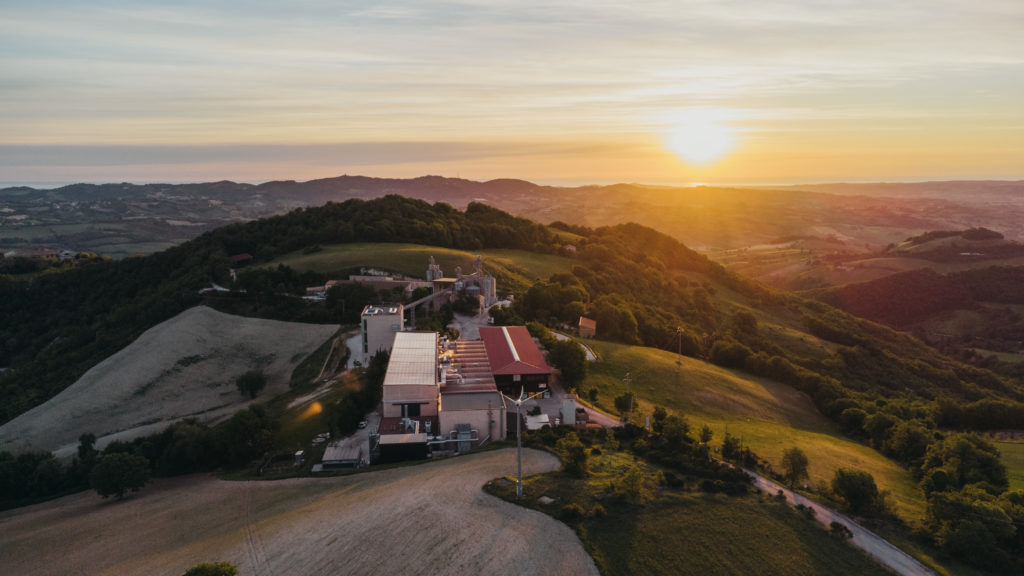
(897, 560)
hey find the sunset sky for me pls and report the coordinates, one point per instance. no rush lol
(559, 92)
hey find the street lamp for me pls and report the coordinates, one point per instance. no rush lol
(519, 442)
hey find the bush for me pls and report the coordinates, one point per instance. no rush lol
(858, 489)
(115, 474)
(839, 530)
(571, 512)
(250, 383)
(574, 453)
(214, 569)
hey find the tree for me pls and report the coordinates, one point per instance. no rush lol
(794, 465)
(571, 361)
(115, 474)
(706, 434)
(251, 383)
(659, 418)
(625, 402)
(675, 430)
(632, 485)
(247, 435)
(212, 569)
(575, 454)
(858, 489)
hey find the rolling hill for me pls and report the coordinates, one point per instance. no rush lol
(785, 369)
(183, 367)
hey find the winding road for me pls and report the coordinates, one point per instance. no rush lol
(897, 560)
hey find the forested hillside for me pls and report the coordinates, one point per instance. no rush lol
(59, 325)
(920, 300)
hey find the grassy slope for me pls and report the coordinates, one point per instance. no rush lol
(1013, 457)
(689, 533)
(768, 416)
(512, 268)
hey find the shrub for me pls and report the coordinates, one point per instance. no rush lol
(250, 383)
(572, 512)
(839, 530)
(212, 569)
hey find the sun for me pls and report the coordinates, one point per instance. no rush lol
(700, 136)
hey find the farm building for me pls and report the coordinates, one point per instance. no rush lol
(516, 362)
(379, 326)
(411, 397)
(438, 396)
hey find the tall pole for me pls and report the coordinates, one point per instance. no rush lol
(519, 452)
(629, 413)
(519, 442)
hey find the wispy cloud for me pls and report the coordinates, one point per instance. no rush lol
(121, 73)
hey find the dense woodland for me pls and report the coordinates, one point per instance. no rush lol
(642, 287)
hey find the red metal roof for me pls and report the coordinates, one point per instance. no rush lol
(510, 350)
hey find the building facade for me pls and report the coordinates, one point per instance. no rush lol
(379, 325)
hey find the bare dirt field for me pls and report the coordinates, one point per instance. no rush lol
(183, 367)
(428, 519)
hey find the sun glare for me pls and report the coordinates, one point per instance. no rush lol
(700, 136)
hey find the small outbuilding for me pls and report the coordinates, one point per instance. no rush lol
(587, 328)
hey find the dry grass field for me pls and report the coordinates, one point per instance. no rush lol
(428, 519)
(183, 367)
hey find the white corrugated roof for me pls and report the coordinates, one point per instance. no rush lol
(413, 359)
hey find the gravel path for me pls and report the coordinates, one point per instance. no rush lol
(429, 519)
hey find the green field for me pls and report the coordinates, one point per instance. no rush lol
(1013, 458)
(512, 268)
(679, 532)
(768, 416)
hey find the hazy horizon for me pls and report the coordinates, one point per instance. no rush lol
(562, 92)
(553, 183)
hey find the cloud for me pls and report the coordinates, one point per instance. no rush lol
(202, 74)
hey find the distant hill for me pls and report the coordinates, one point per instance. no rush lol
(975, 314)
(124, 219)
(975, 244)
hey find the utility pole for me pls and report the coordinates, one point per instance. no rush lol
(629, 413)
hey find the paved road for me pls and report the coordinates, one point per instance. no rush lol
(591, 357)
(896, 559)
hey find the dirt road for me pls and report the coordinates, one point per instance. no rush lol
(428, 519)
